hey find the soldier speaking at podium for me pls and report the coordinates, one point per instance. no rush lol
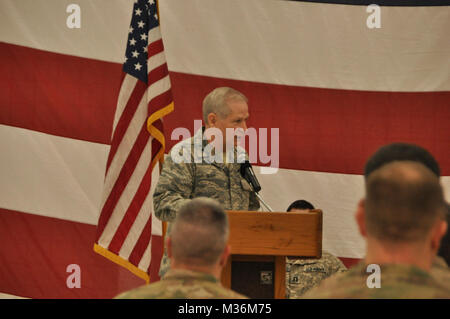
(188, 173)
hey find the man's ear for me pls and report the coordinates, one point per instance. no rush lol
(224, 256)
(437, 233)
(212, 119)
(360, 217)
(169, 247)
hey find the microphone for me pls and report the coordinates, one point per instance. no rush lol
(248, 174)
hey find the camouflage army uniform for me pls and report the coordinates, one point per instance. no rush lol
(304, 274)
(440, 271)
(397, 281)
(183, 284)
(180, 182)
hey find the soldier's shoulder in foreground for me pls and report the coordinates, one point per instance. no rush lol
(332, 262)
(180, 284)
(396, 281)
(327, 264)
(303, 274)
(440, 271)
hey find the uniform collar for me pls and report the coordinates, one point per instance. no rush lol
(399, 271)
(177, 274)
(439, 262)
(239, 153)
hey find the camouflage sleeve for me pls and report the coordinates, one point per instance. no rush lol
(338, 266)
(334, 264)
(174, 188)
(253, 202)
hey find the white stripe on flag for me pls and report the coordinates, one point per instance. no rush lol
(128, 84)
(291, 47)
(154, 34)
(325, 191)
(73, 171)
(51, 176)
(158, 88)
(155, 61)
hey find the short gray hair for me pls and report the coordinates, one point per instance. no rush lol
(200, 232)
(216, 102)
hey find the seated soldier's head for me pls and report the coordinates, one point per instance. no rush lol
(300, 205)
(199, 237)
(402, 214)
(401, 152)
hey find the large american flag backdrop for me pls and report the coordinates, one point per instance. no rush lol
(336, 89)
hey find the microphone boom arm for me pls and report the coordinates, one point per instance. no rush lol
(248, 174)
(263, 202)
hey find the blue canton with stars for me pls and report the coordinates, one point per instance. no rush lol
(144, 19)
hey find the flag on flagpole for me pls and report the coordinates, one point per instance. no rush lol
(126, 222)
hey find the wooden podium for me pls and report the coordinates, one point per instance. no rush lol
(261, 237)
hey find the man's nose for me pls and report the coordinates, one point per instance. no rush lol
(244, 125)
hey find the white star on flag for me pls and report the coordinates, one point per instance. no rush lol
(137, 66)
(130, 30)
(143, 36)
(138, 12)
(135, 54)
(132, 41)
(141, 24)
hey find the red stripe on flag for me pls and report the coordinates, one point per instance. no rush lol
(125, 119)
(160, 101)
(58, 94)
(157, 74)
(155, 47)
(323, 130)
(327, 130)
(142, 243)
(123, 179)
(36, 251)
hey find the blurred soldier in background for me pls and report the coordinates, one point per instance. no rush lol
(302, 274)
